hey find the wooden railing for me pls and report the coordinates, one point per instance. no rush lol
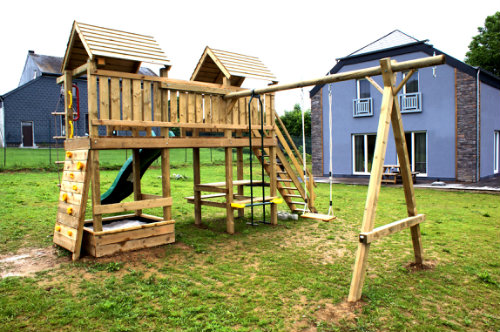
(122, 101)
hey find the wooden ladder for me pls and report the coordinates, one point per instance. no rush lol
(288, 173)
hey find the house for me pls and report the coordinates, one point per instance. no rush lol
(26, 118)
(451, 115)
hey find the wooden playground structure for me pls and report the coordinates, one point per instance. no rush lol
(211, 110)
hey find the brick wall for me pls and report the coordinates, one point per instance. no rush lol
(466, 127)
(317, 133)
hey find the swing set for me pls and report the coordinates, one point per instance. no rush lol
(211, 111)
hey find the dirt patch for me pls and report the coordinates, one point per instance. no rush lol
(28, 261)
(414, 267)
(335, 313)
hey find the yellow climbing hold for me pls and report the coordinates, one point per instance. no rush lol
(69, 210)
(75, 187)
(69, 154)
(71, 175)
(58, 228)
(64, 197)
(79, 165)
(70, 233)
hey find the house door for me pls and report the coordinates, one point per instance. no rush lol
(27, 132)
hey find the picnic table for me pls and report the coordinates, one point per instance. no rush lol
(392, 174)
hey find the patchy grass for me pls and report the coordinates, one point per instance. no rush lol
(292, 277)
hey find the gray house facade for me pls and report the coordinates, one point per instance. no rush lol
(451, 116)
(26, 118)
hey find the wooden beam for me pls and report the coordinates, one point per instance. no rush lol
(346, 76)
(162, 124)
(372, 81)
(197, 181)
(135, 205)
(136, 180)
(80, 70)
(403, 82)
(361, 262)
(229, 185)
(96, 189)
(396, 226)
(165, 181)
(106, 143)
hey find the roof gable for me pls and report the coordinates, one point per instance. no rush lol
(120, 50)
(215, 64)
(392, 39)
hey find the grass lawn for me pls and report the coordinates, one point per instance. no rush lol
(293, 277)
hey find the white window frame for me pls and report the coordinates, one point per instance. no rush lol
(412, 152)
(418, 81)
(365, 153)
(496, 152)
(360, 103)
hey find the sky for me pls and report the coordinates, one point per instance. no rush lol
(296, 40)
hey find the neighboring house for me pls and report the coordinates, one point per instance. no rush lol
(451, 116)
(26, 118)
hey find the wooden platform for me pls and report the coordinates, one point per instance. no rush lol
(207, 200)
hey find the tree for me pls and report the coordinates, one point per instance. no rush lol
(293, 121)
(484, 49)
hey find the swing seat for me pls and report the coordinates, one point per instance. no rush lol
(318, 216)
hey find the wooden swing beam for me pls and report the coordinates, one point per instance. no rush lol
(346, 76)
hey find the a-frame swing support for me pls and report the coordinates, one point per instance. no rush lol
(390, 114)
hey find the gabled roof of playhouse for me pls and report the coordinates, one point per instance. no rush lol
(120, 50)
(216, 64)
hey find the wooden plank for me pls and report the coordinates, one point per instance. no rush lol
(239, 176)
(137, 244)
(157, 103)
(146, 101)
(198, 108)
(183, 107)
(104, 143)
(66, 219)
(221, 205)
(65, 208)
(92, 100)
(197, 181)
(146, 124)
(137, 100)
(216, 107)
(174, 107)
(73, 176)
(396, 226)
(126, 234)
(104, 100)
(115, 98)
(229, 186)
(273, 183)
(155, 222)
(126, 99)
(65, 236)
(135, 205)
(207, 196)
(71, 187)
(96, 189)
(72, 197)
(165, 181)
(191, 108)
(317, 216)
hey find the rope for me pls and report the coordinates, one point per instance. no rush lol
(330, 174)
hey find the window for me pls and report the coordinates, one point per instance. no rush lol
(496, 152)
(362, 105)
(416, 143)
(363, 148)
(411, 98)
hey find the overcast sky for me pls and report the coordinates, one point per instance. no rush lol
(297, 40)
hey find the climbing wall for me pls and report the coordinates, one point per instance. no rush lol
(68, 230)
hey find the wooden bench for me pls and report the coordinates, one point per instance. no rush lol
(392, 174)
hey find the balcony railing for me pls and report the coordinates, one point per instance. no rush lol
(362, 107)
(410, 102)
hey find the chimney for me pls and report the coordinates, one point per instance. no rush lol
(31, 52)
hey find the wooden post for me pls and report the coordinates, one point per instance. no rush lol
(92, 98)
(68, 87)
(360, 264)
(197, 181)
(239, 176)
(96, 189)
(229, 185)
(136, 177)
(273, 182)
(165, 181)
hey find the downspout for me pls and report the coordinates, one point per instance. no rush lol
(478, 136)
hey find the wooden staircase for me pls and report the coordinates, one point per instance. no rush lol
(289, 171)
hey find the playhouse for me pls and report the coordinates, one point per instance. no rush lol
(210, 110)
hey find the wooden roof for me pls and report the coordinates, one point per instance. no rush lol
(216, 64)
(120, 50)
